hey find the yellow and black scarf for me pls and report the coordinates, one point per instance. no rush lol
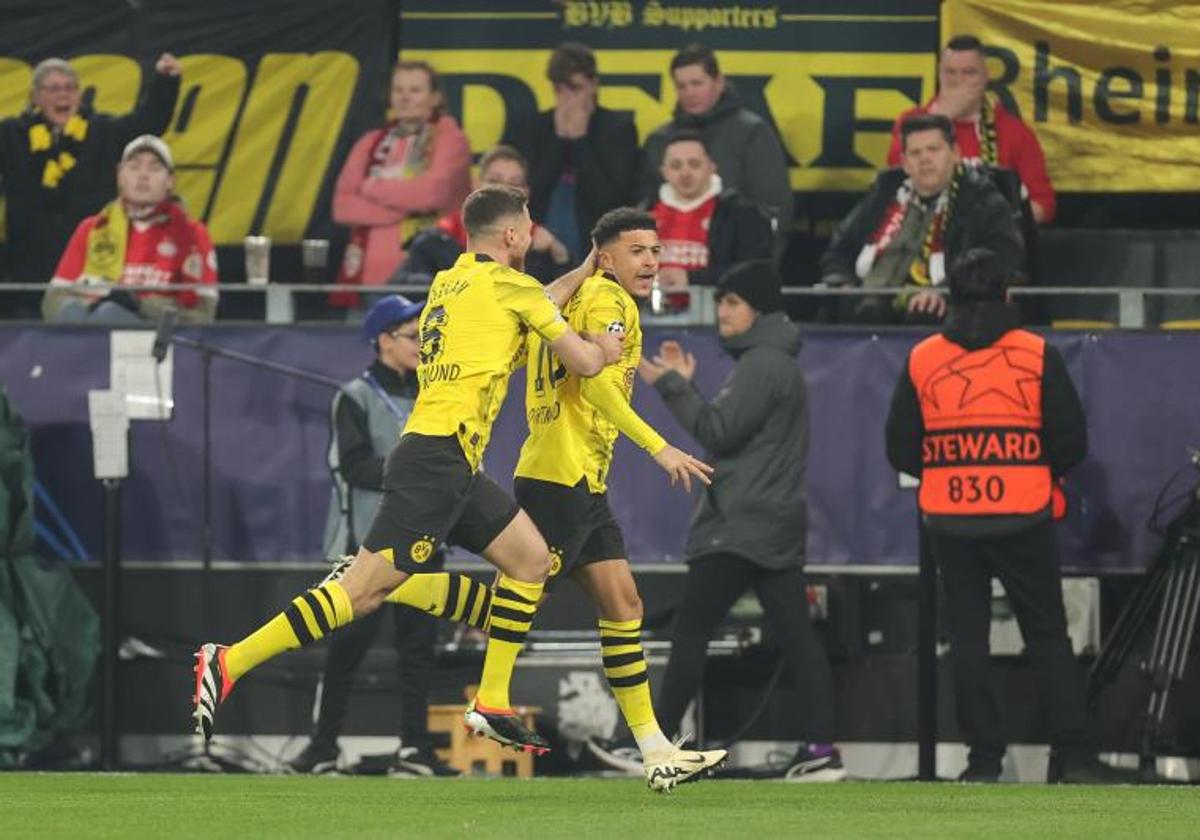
(919, 271)
(57, 153)
(104, 254)
(989, 148)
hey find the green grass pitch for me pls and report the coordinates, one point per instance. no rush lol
(211, 807)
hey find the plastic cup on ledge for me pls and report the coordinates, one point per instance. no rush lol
(258, 260)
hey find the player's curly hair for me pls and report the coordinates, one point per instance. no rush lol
(615, 222)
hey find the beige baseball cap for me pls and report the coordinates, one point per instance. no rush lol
(149, 143)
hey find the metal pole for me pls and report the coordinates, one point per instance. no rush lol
(927, 681)
(110, 626)
(206, 478)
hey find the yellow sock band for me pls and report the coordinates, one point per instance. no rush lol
(514, 604)
(309, 617)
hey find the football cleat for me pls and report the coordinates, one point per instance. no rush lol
(419, 762)
(666, 773)
(212, 686)
(816, 765)
(504, 727)
(619, 755)
(317, 758)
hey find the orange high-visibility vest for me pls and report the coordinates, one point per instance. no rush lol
(982, 450)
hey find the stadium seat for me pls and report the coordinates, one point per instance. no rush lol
(1094, 259)
(1180, 269)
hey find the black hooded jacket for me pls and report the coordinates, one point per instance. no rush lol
(604, 162)
(746, 149)
(982, 218)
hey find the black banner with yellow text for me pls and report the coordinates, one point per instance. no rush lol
(830, 76)
(273, 94)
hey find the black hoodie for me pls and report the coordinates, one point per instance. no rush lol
(975, 326)
(745, 147)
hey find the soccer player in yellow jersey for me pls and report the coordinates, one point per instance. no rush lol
(562, 472)
(472, 334)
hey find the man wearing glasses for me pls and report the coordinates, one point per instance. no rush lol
(368, 415)
(57, 159)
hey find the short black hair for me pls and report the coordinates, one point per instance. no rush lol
(490, 203)
(615, 222)
(926, 122)
(687, 135)
(978, 275)
(701, 54)
(569, 58)
(966, 43)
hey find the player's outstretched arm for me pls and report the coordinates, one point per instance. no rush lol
(608, 397)
(586, 357)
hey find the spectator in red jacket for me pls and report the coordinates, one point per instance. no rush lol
(705, 227)
(143, 238)
(400, 178)
(985, 132)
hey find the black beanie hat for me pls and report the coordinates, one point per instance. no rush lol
(756, 281)
(978, 276)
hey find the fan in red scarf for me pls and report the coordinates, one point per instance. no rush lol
(143, 238)
(399, 179)
(929, 267)
(985, 132)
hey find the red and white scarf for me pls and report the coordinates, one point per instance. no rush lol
(929, 268)
(416, 158)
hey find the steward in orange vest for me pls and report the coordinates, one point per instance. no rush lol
(986, 416)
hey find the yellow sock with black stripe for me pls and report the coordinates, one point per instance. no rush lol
(453, 597)
(629, 679)
(311, 616)
(514, 604)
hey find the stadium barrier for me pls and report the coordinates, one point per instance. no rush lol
(270, 486)
(1126, 307)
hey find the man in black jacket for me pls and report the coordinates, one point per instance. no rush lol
(750, 525)
(913, 223)
(582, 158)
(987, 417)
(705, 227)
(57, 160)
(746, 148)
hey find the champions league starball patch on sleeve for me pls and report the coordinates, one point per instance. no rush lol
(615, 327)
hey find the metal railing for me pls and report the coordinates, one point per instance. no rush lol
(280, 298)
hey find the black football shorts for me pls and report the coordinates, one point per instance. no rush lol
(578, 525)
(430, 495)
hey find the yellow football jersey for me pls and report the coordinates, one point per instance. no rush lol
(574, 422)
(472, 333)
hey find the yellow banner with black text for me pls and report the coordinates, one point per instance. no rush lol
(1112, 89)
